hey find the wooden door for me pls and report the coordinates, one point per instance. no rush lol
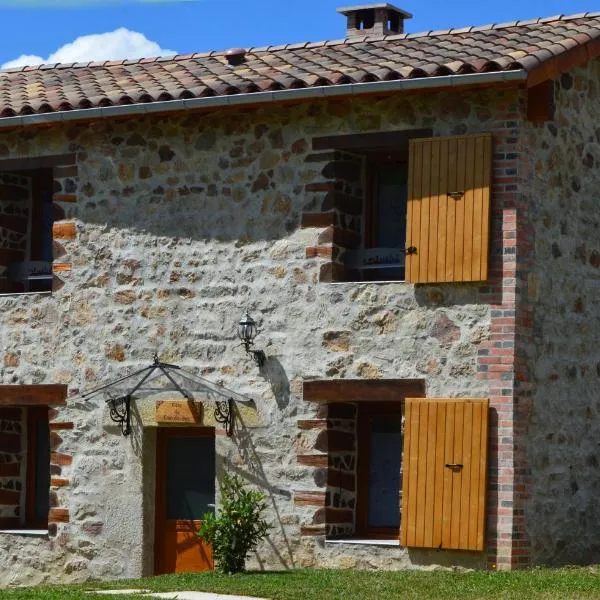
(185, 490)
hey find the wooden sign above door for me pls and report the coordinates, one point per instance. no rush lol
(184, 412)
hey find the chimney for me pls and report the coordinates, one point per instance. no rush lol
(374, 19)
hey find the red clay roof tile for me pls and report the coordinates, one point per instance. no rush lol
(500, 47)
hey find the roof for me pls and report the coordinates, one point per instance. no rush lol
(521, 45)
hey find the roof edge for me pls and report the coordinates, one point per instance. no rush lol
(299, 45)
(316, 93)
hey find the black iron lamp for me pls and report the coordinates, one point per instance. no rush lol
(247, 331)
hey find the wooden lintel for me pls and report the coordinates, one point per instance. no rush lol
(33, 395)
(362, 390)
(398, 140)
(38, 162)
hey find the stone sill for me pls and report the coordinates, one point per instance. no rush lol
(16, 294)
(382, 282)
(26, 532)
(366, 542)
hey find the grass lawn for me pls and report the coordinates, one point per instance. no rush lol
(362, 585)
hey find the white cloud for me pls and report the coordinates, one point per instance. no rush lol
(24, 59)
(118, 44)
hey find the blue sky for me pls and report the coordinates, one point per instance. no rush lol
(57, 29)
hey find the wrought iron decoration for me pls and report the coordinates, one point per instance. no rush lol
(120, 405)
(224, 415)
(120, 412)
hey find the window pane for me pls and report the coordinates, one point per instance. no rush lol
(392, 191)
(190, 477)
(384, 472)
(42, 468)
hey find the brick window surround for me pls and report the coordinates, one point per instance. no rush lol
(33, 195)
(417, 211)
(27, 412)
(333, 456)
(340, 197)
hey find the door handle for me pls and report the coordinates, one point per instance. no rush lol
(455, 466)
(410, 250)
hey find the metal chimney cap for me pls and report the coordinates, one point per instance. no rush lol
(346, 10)
(235, 56)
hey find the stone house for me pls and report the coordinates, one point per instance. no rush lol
(412, 220)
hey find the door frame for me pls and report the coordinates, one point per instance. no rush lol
(162, 435)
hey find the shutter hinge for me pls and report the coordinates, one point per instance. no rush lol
(411, 250)
(456, 195)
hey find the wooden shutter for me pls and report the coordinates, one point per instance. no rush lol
(448, 215)
(443, 506)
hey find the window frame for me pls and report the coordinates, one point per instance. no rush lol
(367, 410)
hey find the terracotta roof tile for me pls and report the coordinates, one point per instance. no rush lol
(498, 47)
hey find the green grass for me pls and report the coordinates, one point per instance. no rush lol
(361, 585)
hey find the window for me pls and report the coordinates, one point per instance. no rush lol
(26, 230)
(402, 465)
(420, 212)
(425, 475)
(37, 496)
(383, 253)
(24, 468)
(379, 429)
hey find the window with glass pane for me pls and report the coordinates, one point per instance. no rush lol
(37, 494)
(190, 477)
(384, 472)
(385, 219)
(379, 485)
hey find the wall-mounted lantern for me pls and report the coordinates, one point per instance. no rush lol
(247, 331)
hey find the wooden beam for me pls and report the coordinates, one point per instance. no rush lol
(567, 61)
(362, 390)
(33, 395)
(396, 140)
(39, 162)
(540, 102)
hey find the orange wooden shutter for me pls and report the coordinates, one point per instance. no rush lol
(448, 215)
(443, 506)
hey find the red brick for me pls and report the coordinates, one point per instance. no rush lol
(58, 515)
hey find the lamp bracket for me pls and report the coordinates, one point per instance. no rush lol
(259, 357)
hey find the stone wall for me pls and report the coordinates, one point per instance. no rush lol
(562, 454)
(172, 228)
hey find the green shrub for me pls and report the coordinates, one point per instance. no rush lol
(237, 528)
